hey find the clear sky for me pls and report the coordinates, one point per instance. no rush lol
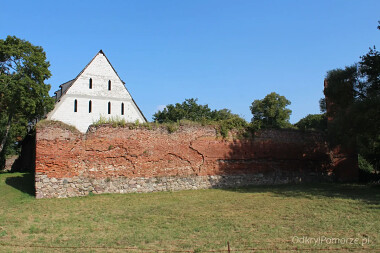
(225, 53)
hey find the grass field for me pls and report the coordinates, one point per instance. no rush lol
(267, 218)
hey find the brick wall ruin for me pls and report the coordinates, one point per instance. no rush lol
(122, 160)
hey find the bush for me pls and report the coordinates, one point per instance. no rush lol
(364, 165)
(367, 172)
(313, 122)
(233, 123)
(172, 127)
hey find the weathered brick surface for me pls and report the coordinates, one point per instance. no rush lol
(110, 159)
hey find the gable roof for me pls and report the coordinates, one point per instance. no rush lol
(66, 86)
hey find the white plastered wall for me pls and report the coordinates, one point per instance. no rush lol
(100, 71)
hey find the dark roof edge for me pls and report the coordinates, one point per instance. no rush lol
(65, 83)
(142, 114)
(138, 108)
(73, 81)
(101, 51)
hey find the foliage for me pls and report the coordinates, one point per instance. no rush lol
(364, 164)
(313, 122)
(24, 96)
(369, 85)
(223, 114)
(11, 146)
(270, 112)
(191, 110)
(172, 127)
(232, 123)
(322, 105)
(340, 96)
(147, 125)
(367, 173)
(341, 88)
(353, 103)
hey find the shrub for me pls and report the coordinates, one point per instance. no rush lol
(364, 165)
(233, 123)
(113, 121)
(172, 127)
(367, 173)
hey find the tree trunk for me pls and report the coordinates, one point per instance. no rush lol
(4, 140)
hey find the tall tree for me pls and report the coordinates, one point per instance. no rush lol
(369, 67)
(341, 87)
(367, 107)
(353, 106)
(313, 122)
(271, 112)
(24, 96)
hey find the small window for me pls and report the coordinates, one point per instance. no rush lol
(89, 106)
(109, 107)
(75, 105)
(109, 84)
(122, 108)
(90, 83)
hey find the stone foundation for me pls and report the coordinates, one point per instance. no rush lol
(83, 186)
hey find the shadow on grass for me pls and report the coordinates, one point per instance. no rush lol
(24, 183)
(366, 193)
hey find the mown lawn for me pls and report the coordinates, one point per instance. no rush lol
(266, 218)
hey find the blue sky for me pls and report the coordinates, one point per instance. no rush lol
(225, 53)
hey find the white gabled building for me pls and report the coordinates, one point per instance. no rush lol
(97, 91)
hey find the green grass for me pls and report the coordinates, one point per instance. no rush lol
(265, 217)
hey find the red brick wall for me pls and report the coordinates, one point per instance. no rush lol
(107, 152)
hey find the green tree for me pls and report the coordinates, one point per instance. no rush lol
(271, 112)
(313, 122)
(366, 110)
(191, 110)
(341, 87)
(369, 70)
(24, 96)
(353, 105)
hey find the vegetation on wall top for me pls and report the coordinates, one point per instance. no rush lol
(54, 123)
